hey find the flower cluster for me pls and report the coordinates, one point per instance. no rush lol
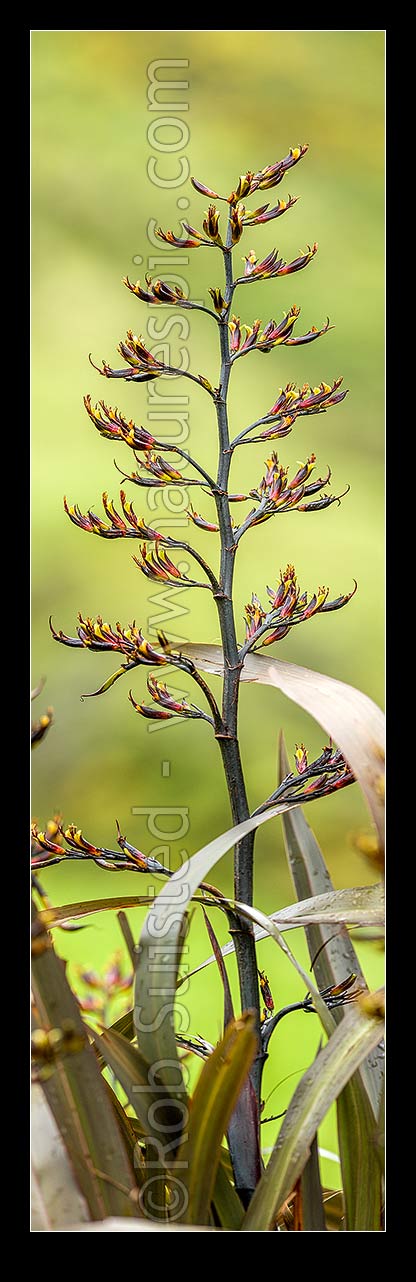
(49, 1044)
(52, 834)
(142, 365)
(272, 265)
(101, 636)
(261, 180)
(157, 565)
(268, 177)
(264, 214)
(128, 858)
(308, 400)
(334, 995)
(239, 217)
(158, 292)
(273, 335)
(162, 472)
(276, 493)
(111, 424)
(103, 988)
(288, 607)
(328, 773)
(165, 706)
(158, 473)
(115, 527)
(288, 406)
(194, 239)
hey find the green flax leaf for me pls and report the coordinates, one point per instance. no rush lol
(217, 1091)
(311, 1192)
(318, 1088)
(358, 1103)
(359, 905)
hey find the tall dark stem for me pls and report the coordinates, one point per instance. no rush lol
(228, 739)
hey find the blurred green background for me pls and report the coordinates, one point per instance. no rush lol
(251, 96)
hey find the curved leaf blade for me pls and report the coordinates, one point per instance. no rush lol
(319, 1087)
(360, 905)
(78, 1099)
(213, 1103)
(352, 719)
(336, 958)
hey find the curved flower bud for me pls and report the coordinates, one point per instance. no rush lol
(297, 263)
(250, 261)
(236, 223)
(199, 520)
(111, 424)
(310, 336)
(260, 271)
(181, 242)
(40, 728)
(243, 188)
(285, 400)
(205, 191)
(251, 336)
(237, 347)
(254, 617)
(43, 840)
(153, 714)
(194, 238)
(218, 300)
(250, 216)
(282, 427)
(265, 215)
(210, 225)
(266, 990)
(146, 863)
(273, 335)
(76, 841)
(301, 758)
(134, 351)
(235, 331)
